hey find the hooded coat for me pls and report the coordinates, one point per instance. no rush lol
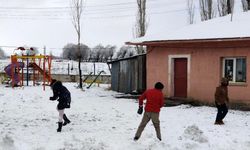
(61, 94)
(221, 93)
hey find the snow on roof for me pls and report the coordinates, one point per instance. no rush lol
(221, 27)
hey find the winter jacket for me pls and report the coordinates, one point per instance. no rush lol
(61, 94)
(154, 100)
(221, 95)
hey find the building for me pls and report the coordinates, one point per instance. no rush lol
(191, 61)
(128, 75)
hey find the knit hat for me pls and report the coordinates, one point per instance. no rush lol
(52, 82)
(224, 81)
(159, 86)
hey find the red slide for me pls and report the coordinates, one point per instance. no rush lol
(36, 67)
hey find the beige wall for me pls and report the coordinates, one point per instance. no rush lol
(205, 71)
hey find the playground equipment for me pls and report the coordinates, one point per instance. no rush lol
(87, 76)
(39, 64)
(95, 79)
(12, 71)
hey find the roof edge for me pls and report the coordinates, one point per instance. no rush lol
(121, 59)
(156, 42)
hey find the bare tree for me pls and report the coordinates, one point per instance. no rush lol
(245, 5)
(248, 3)
(222, 7)
(101, 53)
(231, 7)
(77, 9)
(70, 51)
(225, 7)
(191, 12)
(207, 10)
(97, 52)
(85, 51)
(110, 52)
(2, 54)
(126, 51)
(141, 23)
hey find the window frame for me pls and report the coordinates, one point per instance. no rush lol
(234, 67)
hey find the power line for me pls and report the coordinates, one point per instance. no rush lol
(66, 8)
(45, 13)
(85, 12)
(124, 16)
(53, 12)
(131, 3)
(25, 17)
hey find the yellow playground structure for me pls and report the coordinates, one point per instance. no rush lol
(26, 66)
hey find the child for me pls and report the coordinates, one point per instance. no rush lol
(62, 95)
(152, 109)
(221, 101)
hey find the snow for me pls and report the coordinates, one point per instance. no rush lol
(221, 27)
(101, 121)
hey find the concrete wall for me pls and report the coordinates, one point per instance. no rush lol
(75, 78)
(204, 74)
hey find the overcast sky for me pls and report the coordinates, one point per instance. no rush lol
(104, 21)
(48, 22)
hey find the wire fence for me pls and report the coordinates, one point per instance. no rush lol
(68, 67)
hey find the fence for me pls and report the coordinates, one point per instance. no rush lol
(105, 79)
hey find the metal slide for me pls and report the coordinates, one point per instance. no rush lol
(95, 79)
(36, 67)
(87, 76)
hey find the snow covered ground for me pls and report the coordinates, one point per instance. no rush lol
(102, 122)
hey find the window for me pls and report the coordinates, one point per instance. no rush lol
(235, 69)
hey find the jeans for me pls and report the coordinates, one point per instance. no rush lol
(222, 112)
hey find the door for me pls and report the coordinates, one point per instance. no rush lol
(180, 77)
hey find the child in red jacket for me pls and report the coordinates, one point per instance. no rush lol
(154, 103)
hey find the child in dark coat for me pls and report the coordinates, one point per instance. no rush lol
(62, 95)
(221, 101)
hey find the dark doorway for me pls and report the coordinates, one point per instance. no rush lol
(180, 77)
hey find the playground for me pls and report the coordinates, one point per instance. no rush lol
(24, 64)
(24, 68)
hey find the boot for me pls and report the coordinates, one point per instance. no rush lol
(66, 120)
(136, 138)
(216, 122)
(59, 129)
(221, 122)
